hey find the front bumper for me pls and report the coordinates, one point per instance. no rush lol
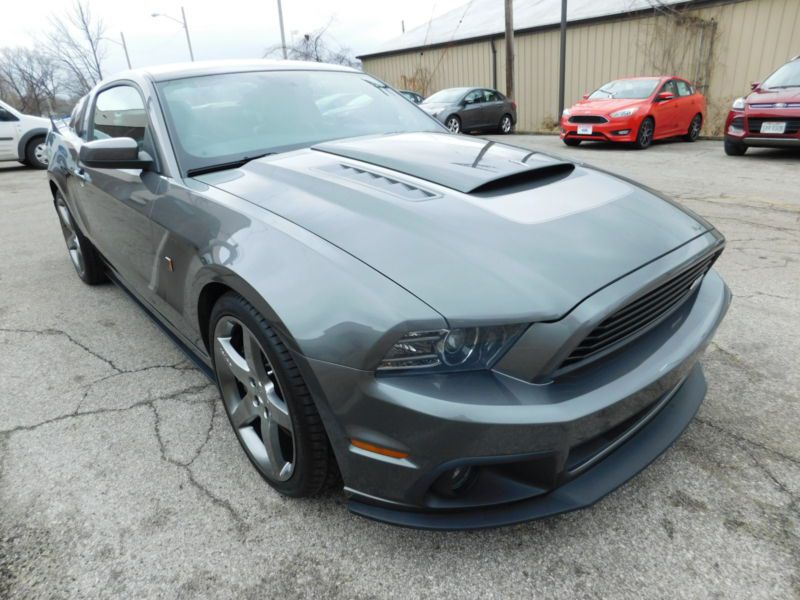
(603, 132)
(538, 449)
(743, 127)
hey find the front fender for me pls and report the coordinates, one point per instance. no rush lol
(28, 136)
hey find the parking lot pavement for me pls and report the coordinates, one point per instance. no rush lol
(120, 476)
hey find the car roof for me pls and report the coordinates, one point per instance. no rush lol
(217, 67)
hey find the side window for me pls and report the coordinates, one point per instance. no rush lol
(490, 96)
(474, 97)
(684, 89)
(120, 112)
(670, 87)
(6, 115)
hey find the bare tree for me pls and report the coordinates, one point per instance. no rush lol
(29, 78)
(75, 42)
(316, 47)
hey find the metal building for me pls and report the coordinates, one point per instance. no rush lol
(721, 45)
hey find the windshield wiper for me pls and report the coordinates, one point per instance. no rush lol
(234, 164)
(610, 93)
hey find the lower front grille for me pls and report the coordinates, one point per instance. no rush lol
(792, 125)
(639, 315)
(587, 119)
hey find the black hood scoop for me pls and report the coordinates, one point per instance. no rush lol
(458, 162)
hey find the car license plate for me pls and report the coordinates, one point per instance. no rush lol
(584, 130)
(773, 127)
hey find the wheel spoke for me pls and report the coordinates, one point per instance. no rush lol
(271, 439)
(244, 413)
(278, 411)
(252, 352)
(234, 361)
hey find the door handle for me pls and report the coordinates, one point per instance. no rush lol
(82, 175)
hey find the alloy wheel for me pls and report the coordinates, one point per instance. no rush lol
(646, 133)
(70, 235)
(505, 124)
(453, 124)
(694, 130)
(253, 399)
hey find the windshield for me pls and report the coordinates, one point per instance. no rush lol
(637, 89)
(446, 96)
(219, 119)
(787, 76)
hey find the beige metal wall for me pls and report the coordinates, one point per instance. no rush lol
(751, 38)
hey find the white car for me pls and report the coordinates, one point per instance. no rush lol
(22, 137)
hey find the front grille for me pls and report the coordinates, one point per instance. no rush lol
(777, 105)
(587, 119)
(792, 125)
(638, 316)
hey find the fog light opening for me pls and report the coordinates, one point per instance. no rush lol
(455, 482)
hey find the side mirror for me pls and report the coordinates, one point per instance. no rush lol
(755, 85)
(114, 153)
(586, 95)
(664, 96)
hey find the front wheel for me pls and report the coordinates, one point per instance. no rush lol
(694, 129)
(36, 153)
(645, 136)
(734, 148)
(453, 123)
(82, 252)
(267, 401)
(506, 124)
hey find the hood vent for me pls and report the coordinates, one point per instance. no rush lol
(382, 182)
(525, 179)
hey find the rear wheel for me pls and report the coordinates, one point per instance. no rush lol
(572, 142)
(453, 123)
(645, 136)
(734, 148)
(268, 404)
(36, 153)
(506, 124)
(82, 252)
(694, 128)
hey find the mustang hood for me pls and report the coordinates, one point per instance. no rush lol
(481, 231)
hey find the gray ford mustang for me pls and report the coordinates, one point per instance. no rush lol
(462, 333)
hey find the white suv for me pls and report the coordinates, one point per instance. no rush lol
(22, 137)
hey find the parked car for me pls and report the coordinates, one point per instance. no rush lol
(413, 96)
(466, 333)
(768, 117)
(22, 137)
(472, 109)
(636, 110)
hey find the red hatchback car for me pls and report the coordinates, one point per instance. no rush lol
(770, 116)
(636, 110)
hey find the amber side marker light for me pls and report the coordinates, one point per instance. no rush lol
(378, 449)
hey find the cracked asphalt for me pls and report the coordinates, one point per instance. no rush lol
(120, 476)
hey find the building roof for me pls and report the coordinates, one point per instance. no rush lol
(482, 18)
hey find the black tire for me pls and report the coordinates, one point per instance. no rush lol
(645, 135)
(314, 465)
(84, 256)
(572, 142)
(453, 123)
(506, 125)
(694, 128)
(33, 155)
(734, 148)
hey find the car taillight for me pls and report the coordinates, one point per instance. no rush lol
(513, 105)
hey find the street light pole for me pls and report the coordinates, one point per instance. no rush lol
(283, 35)
(186, 29)
(125, 48)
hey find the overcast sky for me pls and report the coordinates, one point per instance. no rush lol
(223, 28)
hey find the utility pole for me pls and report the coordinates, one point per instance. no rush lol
(186, 29)
(125, 47)
(283, 35)
(562, 67)
(510, 48)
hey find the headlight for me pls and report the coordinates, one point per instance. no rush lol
(459, 349)
(566, 112)
(625, 112)
(738, 104)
